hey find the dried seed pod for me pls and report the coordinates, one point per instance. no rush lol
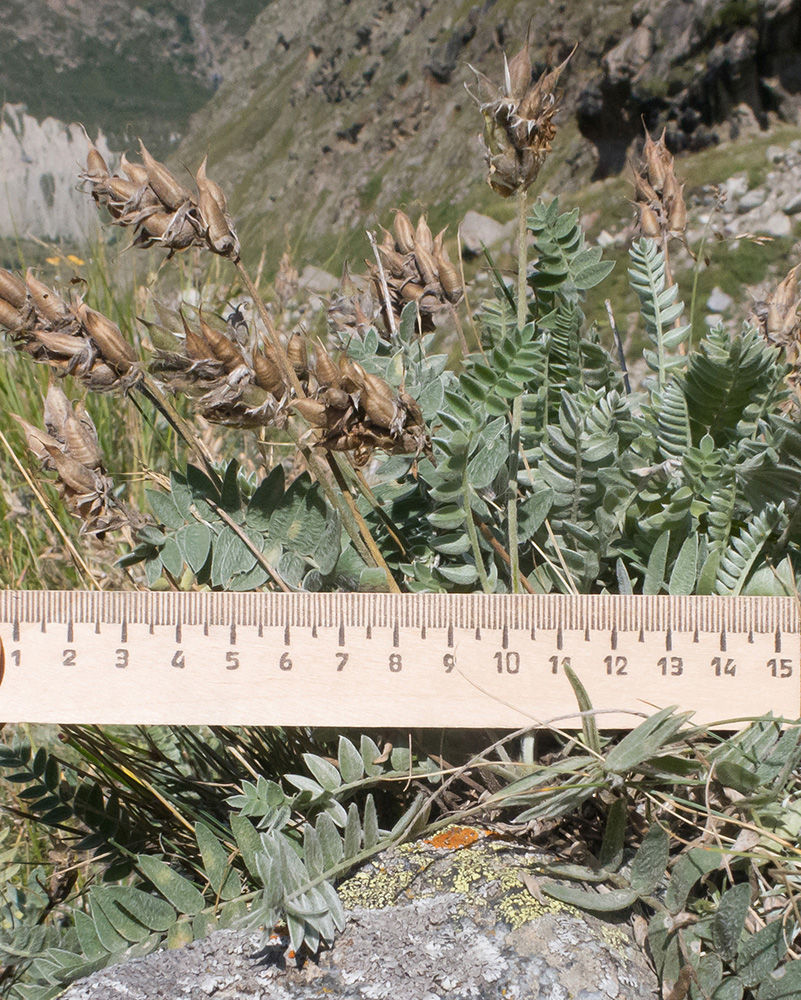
(325, 371)
(429, 302)
(12, 289)
(422, 235)
(57, 408)
(449, 277)
(10, 317)
(170, 192)
(47, 303)
(439, 243)
(643, 191)
(426, 265)
(312, 411)
(654, 163)
(677, 217)
(222, 348)
(135, 171)
(81, 441)
(112, 346)
(195, 343)
(377, 402)
(268, 374)
(517, 76)
(352, 374)
(101, 378)
(649, 222)
(410, 404)
(395, 261)
(122, 190)
(212, 186)
(38, 441)
(297, 354)
(336, 399)
(411, 292)
(404, 232)
(73, 473)
(63, 345)
(96, 166)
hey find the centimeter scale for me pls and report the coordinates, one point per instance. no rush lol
(412, 660)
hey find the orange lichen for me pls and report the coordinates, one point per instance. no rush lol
(455, 837)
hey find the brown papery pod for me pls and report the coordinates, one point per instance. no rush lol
(10, 317)
(47, 303)
(336, 399)
(376, 401)
(81, 441)
(643, 190)
(352, 374)
(223, 349)
(312, 411)
(111, 344)
(63, 345)
(96, 166)
(649, 222)
(268, 374)
(37, 440)
(426, 264)
(325, 371)
(221, 239)
(518, 73)
(422, 235)
(121, 189)
(395, 261)
(170, 192)
(57, 408)
(654, 163)
(404, 232)
(135, 171)
(12, 289)
(211, 186)
(677, 218)
(297, 353)
(449, 278)
(72, 472)
(439, 243)
(195, 344)
(412, 292)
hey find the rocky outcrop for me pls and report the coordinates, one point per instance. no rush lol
(705, 71)
(39, 166)
(457, 916)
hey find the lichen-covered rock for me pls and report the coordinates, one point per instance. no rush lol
(456, 916)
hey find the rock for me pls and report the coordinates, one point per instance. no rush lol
(317, 281)
(605, 239)
(751, 200)
(793, 205)
(451, 916)
(775, 154)
(478, 230)
(718, 301)
(712, 320)
(736, 185)
(777, 225)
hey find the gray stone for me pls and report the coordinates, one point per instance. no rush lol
(605, 239)
(444, 919)
(736, 185)
(775, 154)
(777, 225)
(712, 320)
(477, 230)
(793, 205)
(317, 281)
(751, 200)
(718, 301)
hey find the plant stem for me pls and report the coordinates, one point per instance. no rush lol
(472, 534)
(357, 528)
(517, 405)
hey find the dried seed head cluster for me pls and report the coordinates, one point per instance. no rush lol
(69, 446)
(352, 309)
(70, 337)
(518, 122)
(160, 209)
(660, 197)
(349, 409)
(417, 268)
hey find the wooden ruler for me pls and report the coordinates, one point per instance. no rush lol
(366, 660)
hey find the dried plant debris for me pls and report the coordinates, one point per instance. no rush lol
(353, 308)
(69, 446)
(659, 196)
(238, 384)
(518, 122)
(415, 267)
(68, 336)
(151, 201)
